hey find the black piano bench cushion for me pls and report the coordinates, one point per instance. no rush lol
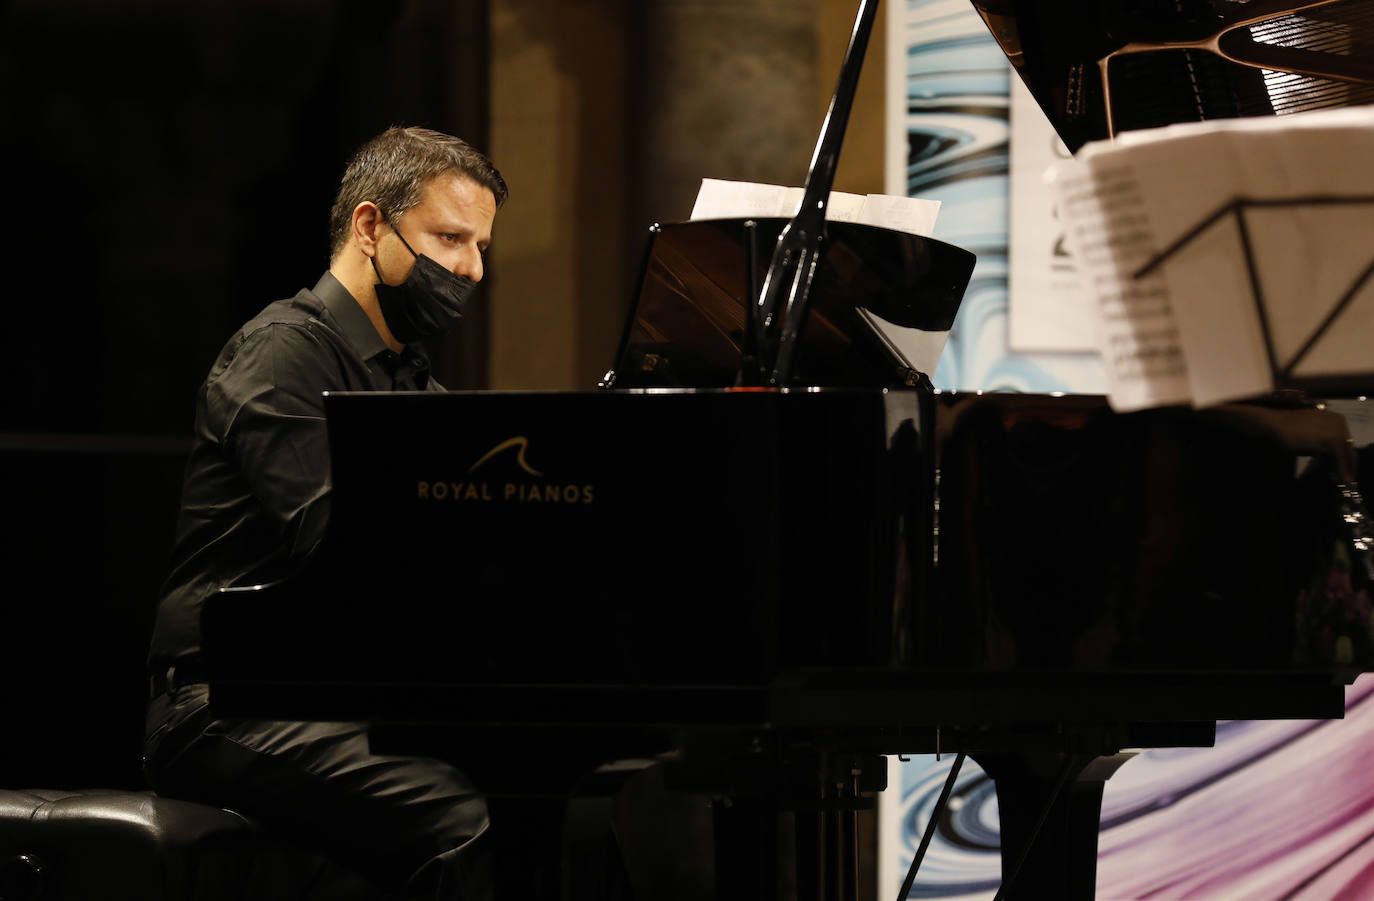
(116, 845)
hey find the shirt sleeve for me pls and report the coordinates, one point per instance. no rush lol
(267, 409)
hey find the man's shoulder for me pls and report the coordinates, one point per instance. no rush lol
(302, 310)
(291, 325)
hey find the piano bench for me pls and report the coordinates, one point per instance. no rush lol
(115, 845)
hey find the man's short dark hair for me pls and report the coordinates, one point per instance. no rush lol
(391, 170)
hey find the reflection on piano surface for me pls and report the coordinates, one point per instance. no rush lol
(869, 280)
(775, 585)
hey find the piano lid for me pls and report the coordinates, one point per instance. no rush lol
(1101, 67)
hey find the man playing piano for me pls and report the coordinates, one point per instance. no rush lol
(408, 231)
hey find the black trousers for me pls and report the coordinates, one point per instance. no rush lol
(413, 827)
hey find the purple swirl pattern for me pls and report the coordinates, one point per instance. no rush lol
(1276, 810)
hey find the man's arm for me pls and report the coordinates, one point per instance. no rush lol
(266, 408)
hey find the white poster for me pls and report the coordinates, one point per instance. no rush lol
(1049, 309)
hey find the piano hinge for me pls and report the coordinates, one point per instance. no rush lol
(1073, 93)
(935, 521)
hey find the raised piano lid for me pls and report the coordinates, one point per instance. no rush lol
(687, 325)
(1099, 67)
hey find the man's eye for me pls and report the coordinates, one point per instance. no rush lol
(451, 237)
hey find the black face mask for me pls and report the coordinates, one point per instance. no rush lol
(427, 303)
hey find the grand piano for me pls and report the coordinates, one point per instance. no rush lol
(764, 551)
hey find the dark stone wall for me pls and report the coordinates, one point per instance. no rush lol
(726, 89)
(169, 168)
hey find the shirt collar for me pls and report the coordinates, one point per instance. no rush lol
(357, 329)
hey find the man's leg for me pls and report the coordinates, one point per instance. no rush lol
(410, 824)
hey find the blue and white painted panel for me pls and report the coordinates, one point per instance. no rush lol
(1276, 809)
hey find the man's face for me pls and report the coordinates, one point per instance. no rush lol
(451, 225)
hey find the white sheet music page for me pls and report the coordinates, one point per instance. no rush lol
(844, 207)
(721, 199)
(1110, 237)
(913, 215)
(1191, 331)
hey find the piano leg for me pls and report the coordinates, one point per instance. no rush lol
(759, 858)
(811, 858)
(1053, 801)
(746, 846)
(847, 856)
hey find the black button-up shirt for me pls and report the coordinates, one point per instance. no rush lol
(256, 493)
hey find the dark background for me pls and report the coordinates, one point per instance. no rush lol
(170, 168)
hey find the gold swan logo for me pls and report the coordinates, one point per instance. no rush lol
(518, 441)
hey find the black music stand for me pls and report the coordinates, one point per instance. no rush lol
(1282, 372)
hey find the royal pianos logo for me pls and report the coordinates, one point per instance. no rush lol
(522, 484)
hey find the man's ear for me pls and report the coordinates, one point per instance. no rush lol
(368, 227)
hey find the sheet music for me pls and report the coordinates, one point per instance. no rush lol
(722, 199)
(844, 207)
(904, 214)
(1191, 330)
(1141, 349)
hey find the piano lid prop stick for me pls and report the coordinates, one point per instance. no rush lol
(929, 833)
(787, 286)
(749, 374)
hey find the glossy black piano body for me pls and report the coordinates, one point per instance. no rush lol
(765, 582)
(719, 551)
(1168, 540)
(603, 538)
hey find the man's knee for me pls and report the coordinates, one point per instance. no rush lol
(462, 873)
